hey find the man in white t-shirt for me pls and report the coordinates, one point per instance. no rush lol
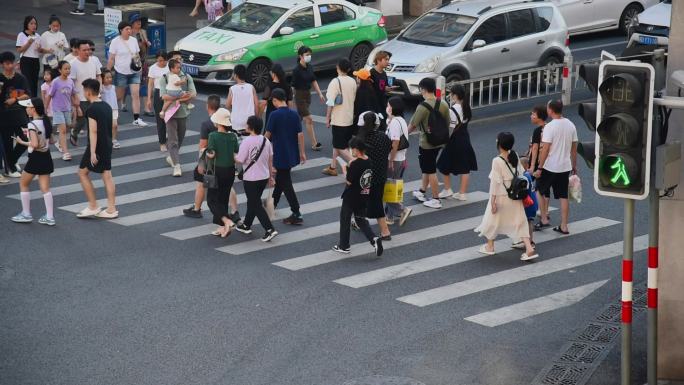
(557, 159)
(340, 117)
(83, 67)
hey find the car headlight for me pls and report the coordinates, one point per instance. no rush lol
(428, 65)
(232, 56)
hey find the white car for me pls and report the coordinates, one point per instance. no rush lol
(586, 16)
(651, 29)
(473, 39)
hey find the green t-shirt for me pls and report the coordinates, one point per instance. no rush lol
(225, 146)
(420, 120)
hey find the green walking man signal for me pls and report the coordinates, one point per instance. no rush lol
(619, 173)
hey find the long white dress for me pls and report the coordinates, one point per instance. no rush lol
(510, 219)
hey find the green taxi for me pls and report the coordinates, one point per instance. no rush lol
(259, 33)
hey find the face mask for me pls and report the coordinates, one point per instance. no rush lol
(307, 59)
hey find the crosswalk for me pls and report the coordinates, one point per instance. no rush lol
(151, 200)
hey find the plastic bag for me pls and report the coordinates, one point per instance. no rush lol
(575, 188)
(269, 205)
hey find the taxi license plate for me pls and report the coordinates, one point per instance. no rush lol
(648, 40)
(190, 70)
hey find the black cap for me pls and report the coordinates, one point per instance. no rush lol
(279, 94)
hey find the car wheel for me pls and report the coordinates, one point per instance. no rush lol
(550, 75)
(359, 55)
(259, 73)
(628, 15)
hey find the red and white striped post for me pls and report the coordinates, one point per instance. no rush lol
(627, 279)
(566, 85)
(652, 289)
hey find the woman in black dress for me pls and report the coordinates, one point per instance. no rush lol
(458, 157)
(278, 80)
(365, 100)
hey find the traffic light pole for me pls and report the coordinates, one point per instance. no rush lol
(652, 291)
(627, 269)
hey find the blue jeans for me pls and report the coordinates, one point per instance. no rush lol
(81, 4)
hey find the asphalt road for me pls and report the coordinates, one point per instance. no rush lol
(152, 299)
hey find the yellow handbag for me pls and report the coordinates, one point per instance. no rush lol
(394, 191)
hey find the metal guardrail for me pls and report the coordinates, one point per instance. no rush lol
(525, 84)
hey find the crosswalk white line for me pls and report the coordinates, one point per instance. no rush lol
(307, 208)
(536, 306)
(363, 248)
(172, 212)
(507, 277)
(326, 229)
(459, 256)
(119, 180)
(124, 160)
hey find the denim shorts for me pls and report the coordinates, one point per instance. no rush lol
(122, 80)
(61, 117)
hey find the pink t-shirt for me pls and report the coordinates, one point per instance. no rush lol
(248, 150)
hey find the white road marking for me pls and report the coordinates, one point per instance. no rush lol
(118, 180)
(308, 208)
(364, 248)
(547, 303)
(624, 43)
(523, 273)
(422, 265)
(171, 212)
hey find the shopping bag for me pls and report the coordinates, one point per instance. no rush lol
(394, 191)
(269, 205)
(575, 188)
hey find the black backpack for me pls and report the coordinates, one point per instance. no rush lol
(437, 130)
(519, 188)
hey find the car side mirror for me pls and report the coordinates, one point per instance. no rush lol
(479, 43)
(286, 31)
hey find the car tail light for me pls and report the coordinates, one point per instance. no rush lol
(381, 22)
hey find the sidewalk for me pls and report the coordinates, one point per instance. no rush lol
(178, 23)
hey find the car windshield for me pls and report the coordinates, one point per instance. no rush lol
(250, 18)
(438, 29)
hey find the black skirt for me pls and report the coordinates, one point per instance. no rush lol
(458, 156)
(39, 163)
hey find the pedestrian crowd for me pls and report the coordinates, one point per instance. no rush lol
(261, 141)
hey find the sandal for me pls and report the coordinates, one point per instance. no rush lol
(225, 231)
(559, 230)
(540, 226)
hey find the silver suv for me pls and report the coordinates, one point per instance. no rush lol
(471, 39)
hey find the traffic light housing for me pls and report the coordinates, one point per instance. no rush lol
(587, 111)
(624, 111)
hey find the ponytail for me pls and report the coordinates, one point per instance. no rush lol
(460, 92)
(513, 159)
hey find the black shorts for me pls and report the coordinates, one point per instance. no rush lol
(341, 136)
(427, 158)
(103, 163)
(558, 181)
(374, 207)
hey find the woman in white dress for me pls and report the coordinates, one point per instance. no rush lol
(504, 215)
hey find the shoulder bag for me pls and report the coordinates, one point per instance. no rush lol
(403, 139)
(136, 62)
(209, 178)
(339, 99)
(241, 174)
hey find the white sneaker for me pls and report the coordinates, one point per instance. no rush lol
(140, 123)
(419, 195)
(433, 204)
(3, 180)
(177, 170)
(460, 197)
(446, 194)
(116, 144)
(169, 161)
(15, 174)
